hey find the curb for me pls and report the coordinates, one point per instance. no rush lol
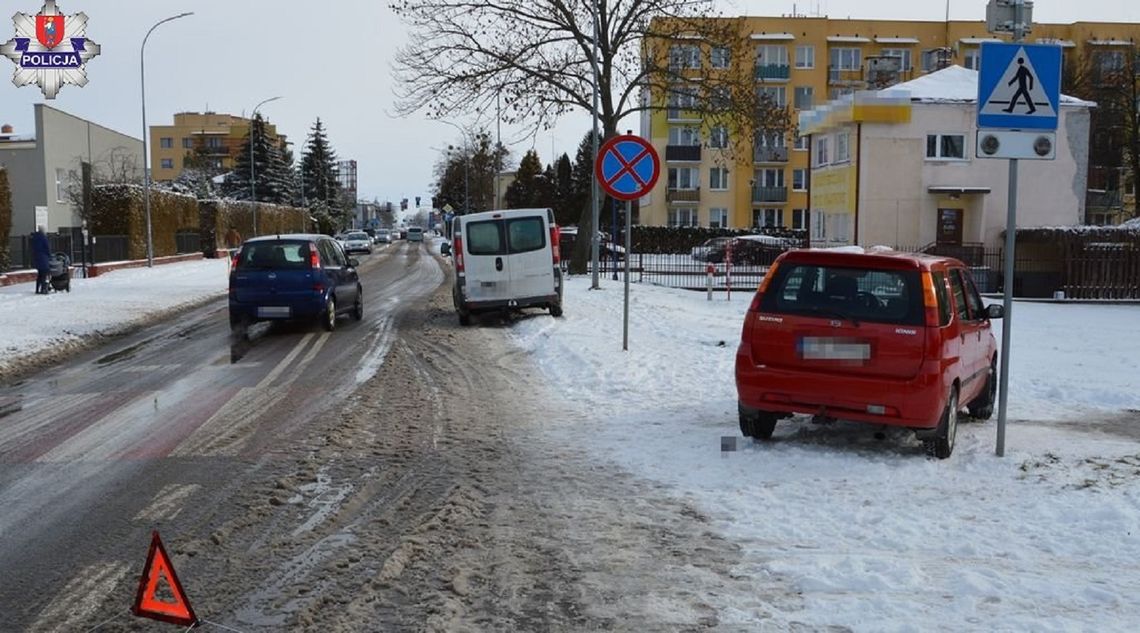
(94, 270)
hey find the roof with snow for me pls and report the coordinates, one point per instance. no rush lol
(954, 84)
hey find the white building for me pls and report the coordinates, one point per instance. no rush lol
(898, 167)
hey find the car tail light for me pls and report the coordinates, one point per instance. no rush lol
(234, 259)
(556, 243)
(314, 256)
(319, 289)
(755, 307)
(457, 253)
(929, 300)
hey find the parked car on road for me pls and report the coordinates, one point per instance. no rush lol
(357, 242)
(897, 339)
(746, 249)
(293, 277)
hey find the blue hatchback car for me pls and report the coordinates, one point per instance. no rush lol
(293, 277)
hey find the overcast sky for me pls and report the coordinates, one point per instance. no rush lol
(331, 59)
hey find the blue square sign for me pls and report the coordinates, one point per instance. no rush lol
(1019, 86)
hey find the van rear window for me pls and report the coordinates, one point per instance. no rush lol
(877, 296)
(526, 234)
(274, 254)
(485, 238)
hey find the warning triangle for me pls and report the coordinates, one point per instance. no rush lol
(148, 604)
(1019, 91)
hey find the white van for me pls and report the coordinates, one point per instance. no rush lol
(415, 234)
(506, 260)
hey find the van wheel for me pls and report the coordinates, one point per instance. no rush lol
(464, 318)
(328, 319)
(942, 444)
(759, 426)
(556, 309)
(982, 408)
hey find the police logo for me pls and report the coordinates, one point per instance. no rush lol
(50, 49)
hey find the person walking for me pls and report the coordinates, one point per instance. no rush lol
(41, 257)
(233, 238)
(1024, 80)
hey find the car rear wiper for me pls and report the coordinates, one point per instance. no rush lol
(834, 313)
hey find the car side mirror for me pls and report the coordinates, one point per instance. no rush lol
(445, 249)
(353, 262)
(995, 311)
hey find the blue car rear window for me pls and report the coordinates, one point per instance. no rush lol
(274, 255)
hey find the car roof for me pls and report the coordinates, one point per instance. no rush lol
(875, 257)
(288, 236)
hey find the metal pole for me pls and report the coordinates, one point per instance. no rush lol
(628, 232)
(252, 172)
(498, 144)
(595, 211)
(1007, 291)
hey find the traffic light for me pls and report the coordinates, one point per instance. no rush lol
(417, 202)
(404, 204)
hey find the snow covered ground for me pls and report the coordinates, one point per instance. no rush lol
(840, 528)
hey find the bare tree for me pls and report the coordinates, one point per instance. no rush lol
(115, 166)
(538, 56)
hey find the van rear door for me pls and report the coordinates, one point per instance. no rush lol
(531, 259)
(486, 262)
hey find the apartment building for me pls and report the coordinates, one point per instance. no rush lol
(802, 62)
(222, 136)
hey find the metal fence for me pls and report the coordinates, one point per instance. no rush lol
(187, 242)
(104, 248)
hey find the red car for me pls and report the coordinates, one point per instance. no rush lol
(889, 338)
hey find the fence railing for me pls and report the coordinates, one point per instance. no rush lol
(104, 248)
(187, 242)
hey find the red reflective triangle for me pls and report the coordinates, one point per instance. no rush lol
(147, 603)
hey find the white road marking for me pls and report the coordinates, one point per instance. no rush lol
(167, 503)
(285, 362)
(73, 607)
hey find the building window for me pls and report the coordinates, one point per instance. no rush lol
(187, 143)
(771, 55)
(777, 95)
(972, 59)
(168, 163)
(818, 225)
(946, 146)
(60, 186)
(213, 142)
(681, 57)
(681, 97)
(684, 178)
(718, 218)
(684, 136)
(799, 180)
(821, 152)
(846, 59)
(683, 217)
(719, 57)
(840, 92)
(803, 97)
(805, 56)
(903, 54)
(771, 218)
(718, 137)
(842, 153)
(799, 218)
(770, 140)
(769, 178)
(166, 142)
(803, 143)
(720, 98)
(842, 220)
(718, 178)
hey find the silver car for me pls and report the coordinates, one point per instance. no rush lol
(358, 242)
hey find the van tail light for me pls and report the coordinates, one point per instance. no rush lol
(755, 307)
(457, 253)
(314, 256)
(929, 300)
(556, 243)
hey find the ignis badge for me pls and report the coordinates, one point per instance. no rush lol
(50, 49)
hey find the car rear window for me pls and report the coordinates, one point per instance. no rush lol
(872, 295)
(274, 254)
(357, 236)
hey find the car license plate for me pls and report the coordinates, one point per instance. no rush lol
(834, 348)
(487, 284)
(273, 312)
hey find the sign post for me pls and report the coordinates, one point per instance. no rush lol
(627, 168)
(1019, 102)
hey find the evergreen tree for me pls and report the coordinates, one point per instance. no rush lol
(565, 211)
(318, 168)
(526, 190)
(582, 178)
(270, 170)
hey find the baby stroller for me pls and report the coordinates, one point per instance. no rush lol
(60, 272)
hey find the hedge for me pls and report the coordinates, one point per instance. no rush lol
(5, 219)
(217, 216)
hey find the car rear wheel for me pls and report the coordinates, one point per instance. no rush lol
(941, 445)
(757, 425)
(328, 318)
(982, 408)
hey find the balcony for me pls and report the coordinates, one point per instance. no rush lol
(770, 155)
(683, 195)
(844, 77)
(683, 153)
(1103, 201)
(773, 72)
(769, 194)
(681, 114)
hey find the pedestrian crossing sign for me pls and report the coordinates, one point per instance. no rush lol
(1019, 86)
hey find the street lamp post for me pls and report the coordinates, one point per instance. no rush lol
(252, 170)
(466, 161)
(145, 134)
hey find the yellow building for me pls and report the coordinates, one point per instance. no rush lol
(803, 62)
(222, 136)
